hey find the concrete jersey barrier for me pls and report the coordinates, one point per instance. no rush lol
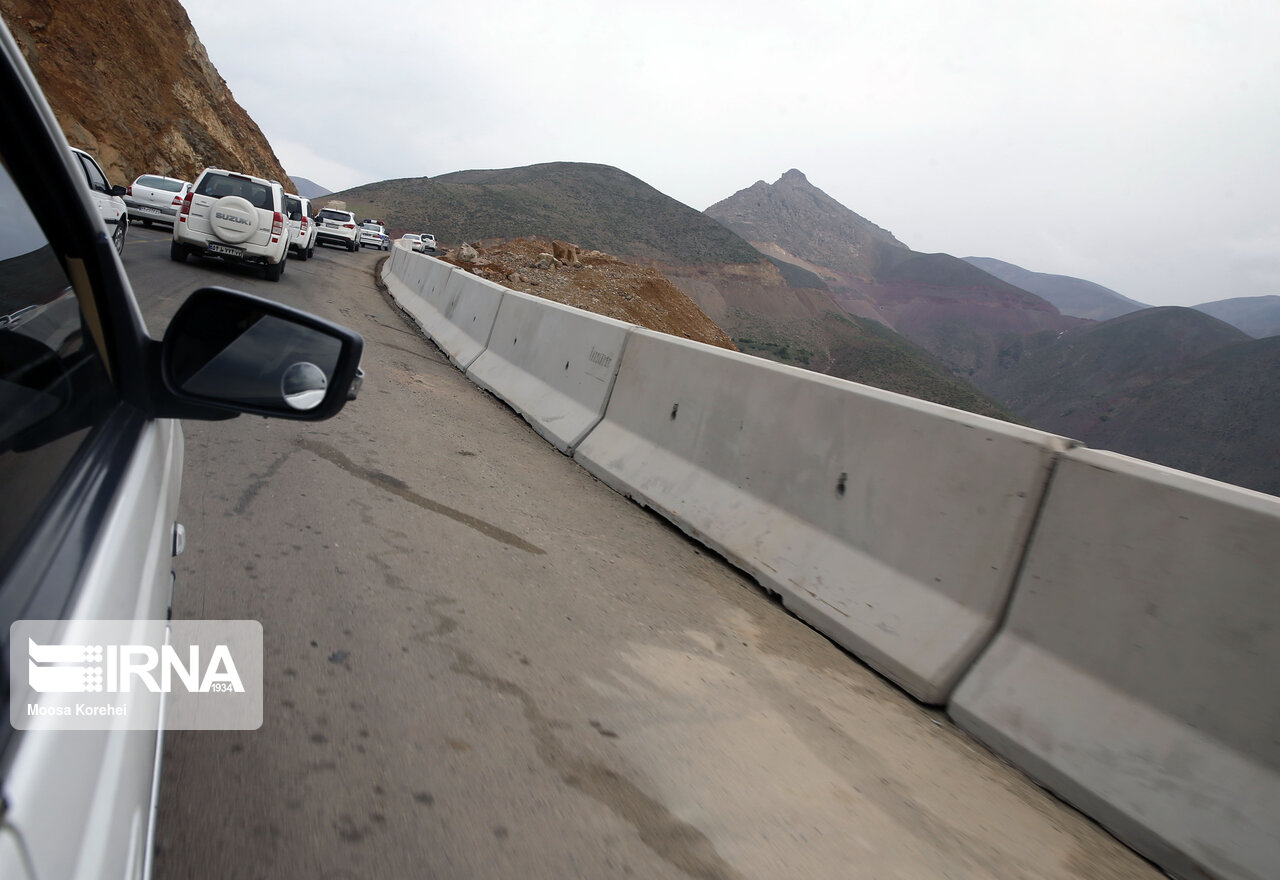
(455, 308)
(1136, 675)
(892, 525)
(552, 363)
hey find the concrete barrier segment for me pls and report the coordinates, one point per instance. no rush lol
(1135, 674)
(553, 364)
(892, 525)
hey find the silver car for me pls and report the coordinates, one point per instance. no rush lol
(91, 457)
(152, 198)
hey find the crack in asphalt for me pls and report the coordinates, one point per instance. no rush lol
(402, 490)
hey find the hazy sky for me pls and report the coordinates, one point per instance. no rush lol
(1134, 143)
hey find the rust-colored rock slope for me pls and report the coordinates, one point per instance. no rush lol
(131, 83)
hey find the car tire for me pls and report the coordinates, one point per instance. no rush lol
(178, 252)
(302, 254)
(146, 223)
(352, 247)
(117, 237)
(274, 271)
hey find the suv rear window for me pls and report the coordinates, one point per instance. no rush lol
(163, 183)
(218, 186)
(293, 207)
(332, 214)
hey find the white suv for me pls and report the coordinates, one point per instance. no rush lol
(106, 198)
(302, 229)
(334, 226)
(235, 217)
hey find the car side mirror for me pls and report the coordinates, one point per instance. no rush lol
(118, 190)
(227, 352)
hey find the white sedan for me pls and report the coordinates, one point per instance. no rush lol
(373, 235)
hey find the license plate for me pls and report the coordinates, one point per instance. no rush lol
(150, 210)
(226, 251)
(328, 225)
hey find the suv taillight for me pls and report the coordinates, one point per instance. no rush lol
(186, 207)
(303, 224)
(348, 226)
(277, 224)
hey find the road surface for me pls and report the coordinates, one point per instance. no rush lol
(483, 663)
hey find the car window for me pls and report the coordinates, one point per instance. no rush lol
(163, 183)
(97, 180)
(219, 186)
(293, 207)
(54, 387)
(331, 214)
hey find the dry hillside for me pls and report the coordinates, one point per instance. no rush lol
(602, 284)
(131, 83)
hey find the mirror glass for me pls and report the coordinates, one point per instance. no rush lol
(303, 385)
(234, 352)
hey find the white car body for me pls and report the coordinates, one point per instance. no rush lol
(428, 242)
(153, 198)
(107, 199)
(413, 240)
(302, 228)
(91, 458)
(236, 217)
(336, 226)
(373, 235)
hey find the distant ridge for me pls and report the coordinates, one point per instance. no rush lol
(308, 189)
(1072, 296)
(594, 206)
(1259, 316)
(1074, 383)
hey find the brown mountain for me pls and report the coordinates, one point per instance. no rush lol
(1075, 382)
(770, 308)
(961, 314)
(1217, 416)
(1170, 385)
(131, 83)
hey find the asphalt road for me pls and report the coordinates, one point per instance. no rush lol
(483, 663)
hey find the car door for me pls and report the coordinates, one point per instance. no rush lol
(86, 530)
(109, 206)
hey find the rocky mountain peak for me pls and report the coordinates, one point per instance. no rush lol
(797, 221)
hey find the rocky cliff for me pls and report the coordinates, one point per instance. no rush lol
(131, 83)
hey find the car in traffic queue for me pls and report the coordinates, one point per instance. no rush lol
(336, 226)
(373, 235)
(413, 240)
(236, 218)
(302, 229)
(155, 198)
(107, 200)
(91, 452)
(428, 243)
